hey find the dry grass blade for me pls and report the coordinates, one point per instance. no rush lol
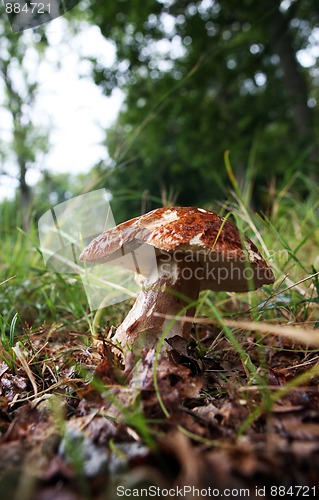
(294, 333)
(26, 367)
(6, 281)
(298, 334)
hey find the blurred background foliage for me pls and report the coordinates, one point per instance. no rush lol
(200, 78)
(205, 77)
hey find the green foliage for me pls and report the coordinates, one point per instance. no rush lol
(202, 78)
(21, 140)
(28, 289)
(53, 189)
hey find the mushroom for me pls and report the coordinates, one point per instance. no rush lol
(195, 250)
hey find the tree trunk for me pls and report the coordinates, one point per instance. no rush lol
(293, 79)
(25, 196)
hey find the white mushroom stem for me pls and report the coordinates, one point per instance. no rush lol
(166, 294)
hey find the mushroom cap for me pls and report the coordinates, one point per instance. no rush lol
(192, 235)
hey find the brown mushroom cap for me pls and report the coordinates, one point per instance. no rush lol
(193, 233)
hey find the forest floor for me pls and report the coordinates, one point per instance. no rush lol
(75, 425)
(232, 413)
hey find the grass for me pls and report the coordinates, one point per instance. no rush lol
(41, 312)
(32, 296)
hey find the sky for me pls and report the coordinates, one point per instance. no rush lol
(75, 107)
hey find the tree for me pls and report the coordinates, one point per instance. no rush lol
(55, 188)
(22, 142)
(204, 77)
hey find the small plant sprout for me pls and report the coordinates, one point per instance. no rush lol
(195, 250)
